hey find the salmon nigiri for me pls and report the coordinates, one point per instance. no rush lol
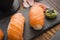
(36, 16)
(16, 27)
(1, 34)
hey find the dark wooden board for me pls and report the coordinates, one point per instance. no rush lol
(28, 32)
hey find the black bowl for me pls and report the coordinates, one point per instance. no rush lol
(6, 4)
(9, 7)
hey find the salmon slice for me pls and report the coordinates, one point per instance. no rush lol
(1, 34)
(16, 27)
(37, 17)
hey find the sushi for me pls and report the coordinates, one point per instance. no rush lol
(16, 27)
(1, 34)
(36, 16)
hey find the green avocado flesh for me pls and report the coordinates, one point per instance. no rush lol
(50, 14)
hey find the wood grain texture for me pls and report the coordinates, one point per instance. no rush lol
(55, 4)
(48, 34)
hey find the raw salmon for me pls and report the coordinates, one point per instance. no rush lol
(1, 34)
(36, 16)
(16, 27)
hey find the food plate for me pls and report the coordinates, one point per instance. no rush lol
(29, 33)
